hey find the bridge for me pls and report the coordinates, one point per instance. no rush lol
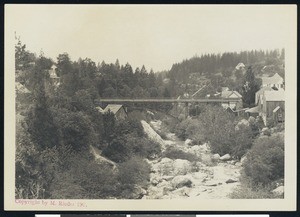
(186, 102)
(165, 100)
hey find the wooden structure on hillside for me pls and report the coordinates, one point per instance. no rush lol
(118, 110)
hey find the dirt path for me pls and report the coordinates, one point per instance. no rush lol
(100, 159)
(179, 178)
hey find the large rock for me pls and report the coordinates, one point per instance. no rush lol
(243, 159)
(242, 122)
(251, 120)
(181, 181)
(196, 150)
(188, 142)
(266, 131)
(181, 167)
(138, 192)
(165, 166)
(231, 181)
(279, 190)
(152, 134)
(184, 191)
(216, 157)
(154, 193)
(212, 183)
(205, 147)
(167, 178)
(225, 157)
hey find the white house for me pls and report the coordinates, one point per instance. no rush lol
(231, 94)
(273, 81)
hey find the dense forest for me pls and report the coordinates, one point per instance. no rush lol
(58, 126)
(220, 70)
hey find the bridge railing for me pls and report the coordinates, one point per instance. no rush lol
(164, 100)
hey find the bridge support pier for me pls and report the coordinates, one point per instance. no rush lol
(186, 110)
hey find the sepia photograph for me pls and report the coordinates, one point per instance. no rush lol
(144, 106)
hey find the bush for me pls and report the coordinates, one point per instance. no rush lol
(242, 141)
(265, 160)
(246, 192)
(173, 153)
(134, 171)
(122, 148)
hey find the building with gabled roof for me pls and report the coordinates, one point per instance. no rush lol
(273, 81)
(260, 93)
(231, 94)
(240, 66)
(272, 106)
(118, 110)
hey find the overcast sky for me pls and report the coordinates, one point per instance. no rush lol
(156, 36)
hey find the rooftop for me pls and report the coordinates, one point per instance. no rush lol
(275, 79)
(228, 93)
(114, 108)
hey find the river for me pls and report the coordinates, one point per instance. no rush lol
(178, 178)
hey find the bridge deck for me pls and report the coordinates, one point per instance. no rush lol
(166, 100)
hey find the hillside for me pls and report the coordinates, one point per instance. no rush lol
(222, 70)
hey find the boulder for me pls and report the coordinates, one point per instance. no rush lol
(152, 134)
(154, 193)
(243, 159)
(138, 192)
(181, 167)
(279, 190)
(225, 157)
(188, 142)
(204, 147)
(181, 181)
(154, 181)
(251, 120)
(266, 131)
(196, 149)
(167, 178)
(184, 191)
(216, 157)
(242, 122)
(231, 181)
(238, 164)
(212, 183)
(165, 166)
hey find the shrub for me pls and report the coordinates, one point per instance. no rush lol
(245, 192)
(265, 161)
(242, 141)
(218, 128)
(135, 171)
(122, 148)
(173, 153)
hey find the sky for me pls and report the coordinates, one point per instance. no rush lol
(156, 36)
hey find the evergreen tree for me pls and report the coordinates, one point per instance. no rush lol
(40, 121)
(249, 88)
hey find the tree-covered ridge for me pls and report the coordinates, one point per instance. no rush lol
(58, 126)
(219, 70)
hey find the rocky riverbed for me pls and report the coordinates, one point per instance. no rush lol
(208, 178)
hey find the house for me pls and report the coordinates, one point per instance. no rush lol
(272, 106)
(260, 93)
(231, 94)
(118, 110)
(273, 81)
(240, 66)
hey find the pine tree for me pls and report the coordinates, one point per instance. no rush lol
(249, 88)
